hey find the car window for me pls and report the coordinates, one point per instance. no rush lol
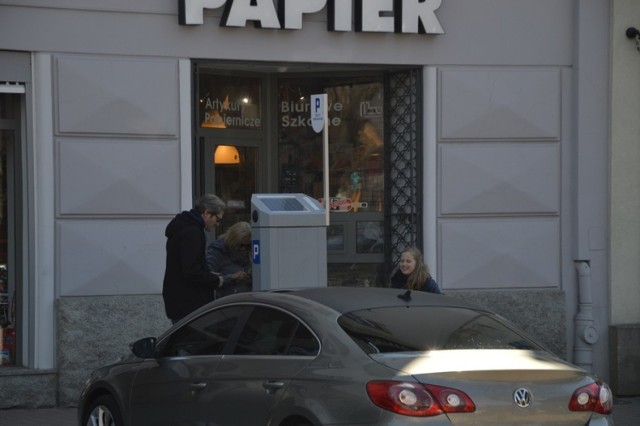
(423, 328)
(205, 335)
(303, 343)
(273, 332)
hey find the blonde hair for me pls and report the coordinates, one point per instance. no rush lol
(421, 273)
(237, 236)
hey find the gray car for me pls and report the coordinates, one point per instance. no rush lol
(342, 356)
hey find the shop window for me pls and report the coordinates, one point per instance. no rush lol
(231, 135)
(374, 147)
(235, 182)
(356, 144)
(370, 237)
(355, 237)
(8, 283)
(355, 274)
(229, 102)
(335, 238)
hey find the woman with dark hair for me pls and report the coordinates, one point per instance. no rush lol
(413, 274)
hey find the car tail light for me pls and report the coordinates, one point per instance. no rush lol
(595, 397)
(414, 399)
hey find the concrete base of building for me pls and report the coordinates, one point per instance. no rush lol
(540, 313)
(624, 355)
(95, 331)
(25, 388)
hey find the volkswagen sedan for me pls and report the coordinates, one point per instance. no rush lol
(342, 356)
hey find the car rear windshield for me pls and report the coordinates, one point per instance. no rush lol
(420, 328)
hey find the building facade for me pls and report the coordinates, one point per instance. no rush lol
(623, 199)
(483, 131)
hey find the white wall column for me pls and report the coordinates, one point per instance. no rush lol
(43, 288)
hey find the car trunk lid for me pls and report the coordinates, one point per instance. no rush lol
(507, 386)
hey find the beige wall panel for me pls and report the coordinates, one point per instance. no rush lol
(110, 257)
(113, 95)
(116, 177)
(500, 253)
(500, 104)
(499, 178)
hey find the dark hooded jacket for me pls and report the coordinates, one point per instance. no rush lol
(188, 283)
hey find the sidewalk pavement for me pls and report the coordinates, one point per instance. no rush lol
(626, 412)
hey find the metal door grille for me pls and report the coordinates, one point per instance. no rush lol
(403, 165)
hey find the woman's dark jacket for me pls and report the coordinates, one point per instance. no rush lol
(399, 280)
(188, 283)
(226, 262)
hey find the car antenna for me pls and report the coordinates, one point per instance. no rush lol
(406, 296)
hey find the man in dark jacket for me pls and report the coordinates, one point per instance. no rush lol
(188, 283)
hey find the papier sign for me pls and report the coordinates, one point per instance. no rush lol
(387, 16)
(317, 112)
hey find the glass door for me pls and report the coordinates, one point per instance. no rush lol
(232, 174)
(231, 133)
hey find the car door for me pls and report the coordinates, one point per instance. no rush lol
(170, 389)
(271, 349)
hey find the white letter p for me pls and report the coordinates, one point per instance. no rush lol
(191, 12)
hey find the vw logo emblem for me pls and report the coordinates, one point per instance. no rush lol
(522, 397)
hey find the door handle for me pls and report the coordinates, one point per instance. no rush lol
(272, 386)
(198, 386)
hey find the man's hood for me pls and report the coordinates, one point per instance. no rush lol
(182, 221)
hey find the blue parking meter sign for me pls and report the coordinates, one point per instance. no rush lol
(317, 112)
(256, 252)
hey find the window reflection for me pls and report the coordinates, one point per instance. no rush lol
(370, 237)
(355, 274)
(393, 330)
(235, 181)
(206, 335)
(227, 102)
(356, 144)
(335, 238)
(272, 332)
(355, 109)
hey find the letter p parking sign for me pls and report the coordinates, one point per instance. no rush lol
(317, 112)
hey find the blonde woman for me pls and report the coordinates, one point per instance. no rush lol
(413, 273)
(229, 255)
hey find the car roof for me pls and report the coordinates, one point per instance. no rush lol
(348, 299)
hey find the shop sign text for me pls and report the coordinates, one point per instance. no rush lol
(219, 113)
(296, 114)
(385, 16)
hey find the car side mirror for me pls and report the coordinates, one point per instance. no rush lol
(144, 348)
